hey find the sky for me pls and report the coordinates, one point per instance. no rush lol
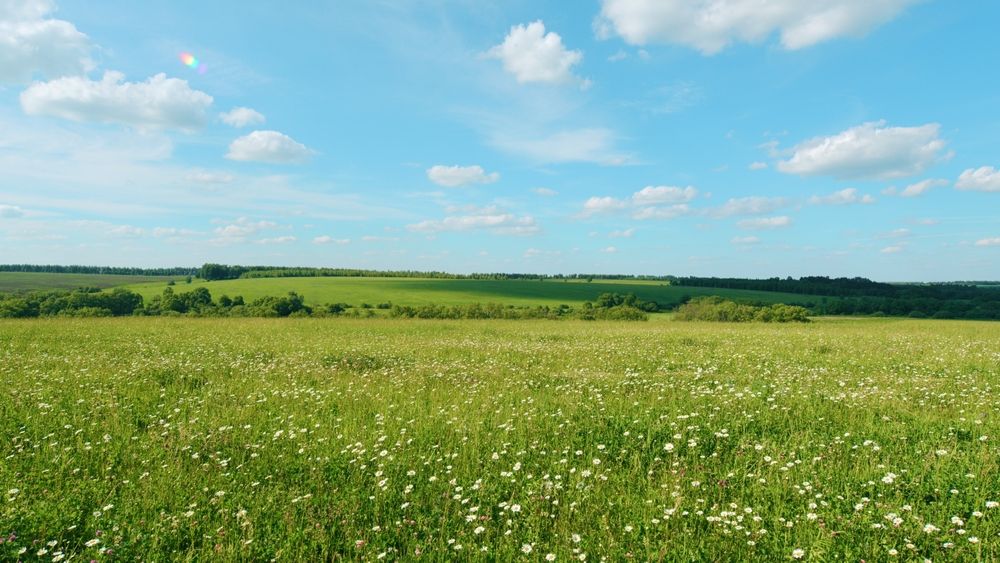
(749, 138)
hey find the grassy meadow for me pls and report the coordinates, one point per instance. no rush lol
(412, 291)
(313, 439)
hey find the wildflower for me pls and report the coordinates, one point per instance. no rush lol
(92, 543)
(526, 548)
(515, 508)
(550, 557)
(798, 553)
(576, 538)
(479, 530)
(668, 447)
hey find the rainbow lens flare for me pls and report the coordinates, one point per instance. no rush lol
(191, 61)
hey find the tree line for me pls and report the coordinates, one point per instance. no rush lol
(861, 296)
(107, 270)
(717, 309)
(119, 302)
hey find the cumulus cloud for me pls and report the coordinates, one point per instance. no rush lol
(762, 223)
(597, 205)
(653, 195)
(532, 55)
(743, 241)
(157, 103)
(126, 231)
(757, 165)
(895, 249)
(995, 241)
(277, 240)
(750, 205)
(914, 190)
(609, 250)
(983, 179)
(846, 196)
(490, 219)
(662, 212)
(651, 202)
(627, 233)
(173, 233)
(545, 192)
(711, 25)
(326, 239)
(268, 146)
(868, 151)
(10, 212)
(594, 145)
(241, 117)
(455, 176)
(33, 44)
(240, 229)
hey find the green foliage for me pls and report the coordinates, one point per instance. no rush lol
(717, 309)
(82, 302)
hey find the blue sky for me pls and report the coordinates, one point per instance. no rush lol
(723, 137)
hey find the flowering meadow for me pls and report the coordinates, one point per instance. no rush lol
(316, 439)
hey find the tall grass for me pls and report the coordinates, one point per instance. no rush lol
(253, 439)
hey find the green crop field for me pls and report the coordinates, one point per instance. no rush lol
(28, 281)
(409, 291)
(319, 439)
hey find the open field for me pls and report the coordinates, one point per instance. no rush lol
(311, 439)
(410, 291)
(28, 281)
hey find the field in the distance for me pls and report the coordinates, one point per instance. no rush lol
(411, 291)
(313, 439)
(30, 281)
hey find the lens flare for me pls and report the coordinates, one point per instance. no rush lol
(191, 61)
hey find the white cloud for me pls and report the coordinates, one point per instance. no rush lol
(10, 212)
(596, 205)
(870, 150)
(609, 250)
(268, 146)
(751, 205)
(765, 223)
(455, 176)
(846, 196)
(757, 165)
(983, 179)
(651, 202)
(545, 192)
(892, 249)
(326, 239)
(744, 240)
(917, 189)
(711, 25)
(995, 241)
(532, 55)
(32, 44)
(241, 117)
(173, 233)
(662, 212)
(487, 218)
(594, 145)
(126, 231)
(208, 177)
(277, 240)
(157, 103)
(653, 195)
(627, 233)
(239, 230)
